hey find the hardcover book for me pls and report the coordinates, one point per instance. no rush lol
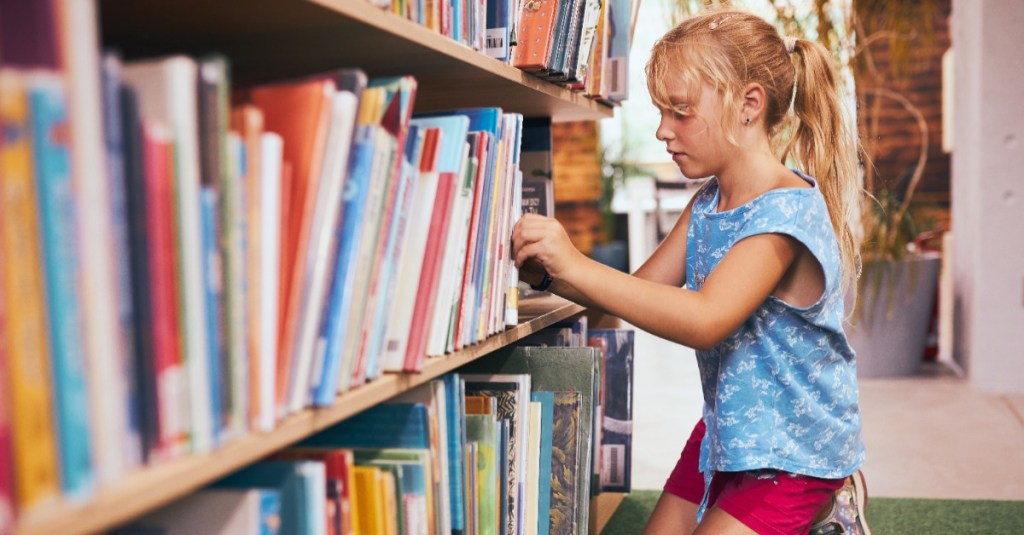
(617, 424)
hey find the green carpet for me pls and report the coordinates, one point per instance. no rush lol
(886, 516)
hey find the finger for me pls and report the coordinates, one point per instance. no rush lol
(527, 252)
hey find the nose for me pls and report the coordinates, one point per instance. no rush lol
(663, 133)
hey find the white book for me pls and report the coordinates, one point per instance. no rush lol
(410, 267)
(166, 91)
(272, 152)
(215, 512)
(453, 260)
(104, 350)
(532, 473)
(320, 253)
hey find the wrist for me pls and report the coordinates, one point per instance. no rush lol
(544, 283)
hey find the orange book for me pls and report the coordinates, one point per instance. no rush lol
(28, 352)
(479, 405)
(299, 112)
(247, 121)
(536, 23)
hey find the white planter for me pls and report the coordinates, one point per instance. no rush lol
(890, 331)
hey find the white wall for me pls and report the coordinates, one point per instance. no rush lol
(988, 192)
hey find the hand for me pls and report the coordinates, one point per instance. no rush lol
(544, 241)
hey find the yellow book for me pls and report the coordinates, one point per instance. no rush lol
(28, 352)
(369, 507)
(386, 494)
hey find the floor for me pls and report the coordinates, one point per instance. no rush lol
(927, 436)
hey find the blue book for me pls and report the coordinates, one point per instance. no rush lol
(547, 417)
(334, 326)
(51, 152)
(388, 425)
(617, 424)
(302, 487)
(213, 299)
(498, 29)
(116, 148)
(455, 405)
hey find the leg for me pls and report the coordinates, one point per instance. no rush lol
(672, 515)
(676, 510)
(718, 522)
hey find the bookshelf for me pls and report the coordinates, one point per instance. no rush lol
(275, 39)
(160, 484)
(284, 39)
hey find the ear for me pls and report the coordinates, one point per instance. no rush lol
(754, 102)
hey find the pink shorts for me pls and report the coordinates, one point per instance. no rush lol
(766, 501)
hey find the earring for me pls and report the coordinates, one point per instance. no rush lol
(746, 120)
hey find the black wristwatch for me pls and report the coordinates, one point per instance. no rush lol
(545, 283)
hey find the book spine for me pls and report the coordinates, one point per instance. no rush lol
(171, 393)
(270, 178)
(214, 294)
(60, 267)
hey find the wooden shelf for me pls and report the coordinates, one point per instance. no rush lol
(280, 39)
(157, 485)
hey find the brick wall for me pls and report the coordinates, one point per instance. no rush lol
(897, 145)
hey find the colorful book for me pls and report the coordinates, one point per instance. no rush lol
(536, 27)
(26, 343)
(482, 430)
(7, 490)
(51, 152)
(567, 446)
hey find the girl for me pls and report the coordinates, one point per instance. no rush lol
(765, 253)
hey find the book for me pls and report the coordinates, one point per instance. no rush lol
(127, 330)
(209, 211)
(302, 486)
(567, 447)
(617, 421)
(620, 16)
(167, 95)
(536, 27)
(60, 261)
(26, 343)
(168, 368)
(7, 490)
(499, 23)
(299, 112)
(103, 330)
(338, 473)
(271, 178)
(482, 431)
(532, 469)
(388, 425)
(255, 511)
(544, 459)
(145, 376)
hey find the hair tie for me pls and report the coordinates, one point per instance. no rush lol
(790, 43)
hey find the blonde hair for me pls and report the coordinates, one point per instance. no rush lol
(729, 49)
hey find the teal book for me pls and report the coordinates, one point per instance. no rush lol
(547, 401)
(388, 425)
(51, 151)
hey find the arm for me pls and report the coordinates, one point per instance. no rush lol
(747, 275)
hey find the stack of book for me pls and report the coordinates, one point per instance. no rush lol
(583, 44)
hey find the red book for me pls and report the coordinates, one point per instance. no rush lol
(426, 297)
(536, 23)
(299, 111)
(168, 362)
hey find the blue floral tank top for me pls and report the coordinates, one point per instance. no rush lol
(780, 392)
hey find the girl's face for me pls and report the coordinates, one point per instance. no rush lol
(692, 132)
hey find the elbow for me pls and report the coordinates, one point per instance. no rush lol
(707, 335)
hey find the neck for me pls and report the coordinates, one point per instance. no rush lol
(753, 171)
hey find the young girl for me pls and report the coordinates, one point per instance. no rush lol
(765, 253)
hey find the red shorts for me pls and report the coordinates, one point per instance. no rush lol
(766, 501)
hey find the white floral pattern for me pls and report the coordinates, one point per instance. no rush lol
(781, 392)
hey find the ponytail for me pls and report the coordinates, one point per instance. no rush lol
(824, 145)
